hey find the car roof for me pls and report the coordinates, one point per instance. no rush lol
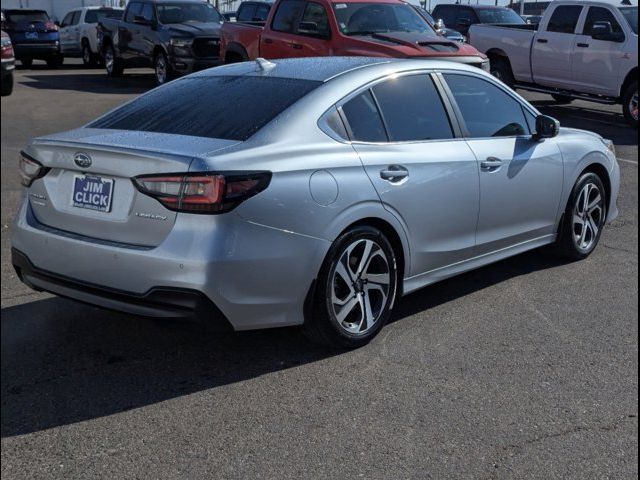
(321, 69)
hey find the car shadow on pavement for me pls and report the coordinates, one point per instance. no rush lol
(64, 362)
(97, 82)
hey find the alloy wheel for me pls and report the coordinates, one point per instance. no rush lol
(161, 69)
(109, 60)
(633, 106)
(588, 217)
(360, 286)
(86, 55)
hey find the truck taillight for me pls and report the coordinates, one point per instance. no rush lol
(202, 192)
(50, 26)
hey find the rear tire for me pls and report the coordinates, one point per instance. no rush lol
(355, 290)
(7, 85)
(630, 104)
(26, 62)
(562, 99)
(88, 57)
(501, 69)
(583, 219)
(112, 64)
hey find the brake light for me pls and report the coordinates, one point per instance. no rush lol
(50, 26)
(30, 169)
(202, 192)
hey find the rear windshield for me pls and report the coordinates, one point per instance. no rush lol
(231, 108)
(95, 16)
(26, 16)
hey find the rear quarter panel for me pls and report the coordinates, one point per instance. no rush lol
(247, 37)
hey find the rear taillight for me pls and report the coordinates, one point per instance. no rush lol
(50, 26)
(202, 192)
(30, 169)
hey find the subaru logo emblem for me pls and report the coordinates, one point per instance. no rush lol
(82, 160)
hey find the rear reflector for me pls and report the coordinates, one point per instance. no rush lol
(202, 192)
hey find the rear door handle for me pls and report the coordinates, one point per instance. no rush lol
(394, 173)
(268, 40)
(583, 45)
(542, 40)
(296, 46)
(491, 164)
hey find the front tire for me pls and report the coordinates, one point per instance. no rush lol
(7, 85)
(583, 219)
(356, 290)
(162, 69)
(88, 58)
(630, 104)
(112, 64)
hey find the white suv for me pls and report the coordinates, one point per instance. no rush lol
(79, 35)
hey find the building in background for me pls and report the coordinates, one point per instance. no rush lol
(57, 9)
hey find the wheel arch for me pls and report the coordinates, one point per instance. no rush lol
(601, 171)
(631, 76)
(236, 53)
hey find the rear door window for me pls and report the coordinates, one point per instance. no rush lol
(564, 19)
(487, 110)
(364, 119)
(286, 17)
(195, 107)
(412, 109)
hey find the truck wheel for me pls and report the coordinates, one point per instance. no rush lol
(162, 68)
(88, 58)
(112, 64)
(562, 99)
(630, 104)
(501, 69)
(26, 62)
(7, 85)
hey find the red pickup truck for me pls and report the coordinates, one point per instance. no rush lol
(310, 28)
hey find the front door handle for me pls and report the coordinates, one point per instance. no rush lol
(268, 40)
(394, 173)
(542, 40)
(583, 45)
(296, 46)
(491, 164)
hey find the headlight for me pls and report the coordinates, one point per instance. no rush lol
(610, 146)
(181, 42)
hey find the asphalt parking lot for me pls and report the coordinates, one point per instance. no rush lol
(524, 369)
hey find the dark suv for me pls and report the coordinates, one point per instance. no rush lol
(172, 37)
(33, 35)
(461, 17)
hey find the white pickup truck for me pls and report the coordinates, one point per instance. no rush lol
(580, 49)
(78, 33)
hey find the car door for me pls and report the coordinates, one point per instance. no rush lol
(597, 62)
(313, 33)
(424, 173)
(520, 178)
(74, 33)
(552, 51)
(126, 30)
(276, 40)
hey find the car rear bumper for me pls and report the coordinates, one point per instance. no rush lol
(256, 276)
(36, 50)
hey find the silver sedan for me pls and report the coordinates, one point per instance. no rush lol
(310, 192)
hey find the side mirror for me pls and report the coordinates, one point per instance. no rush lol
(57, 23)
(440, 24)
(546, 127)
(140, 20)
(604, 31)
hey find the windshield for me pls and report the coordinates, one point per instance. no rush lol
(631, 15)
(95, 16)
(370, 18)
(187, 12)
(27, 17)
(499, 15)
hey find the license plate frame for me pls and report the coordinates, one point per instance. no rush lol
(31, 35)
(88, 193)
